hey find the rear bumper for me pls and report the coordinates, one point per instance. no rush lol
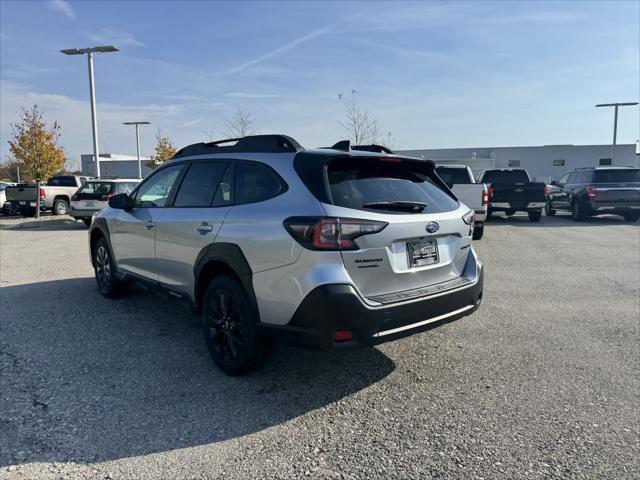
(622, 206)
(77, 213)
(333, 307)
(516, 206)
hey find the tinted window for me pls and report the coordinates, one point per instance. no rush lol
(257, 182)
(572, 177)
(629, 175)
(158, 188)
(200, 184)
(452, 176)
(563, 179)
(505, 176)
(62, 182)
(583, 176)
(360, 183)
(96, 188)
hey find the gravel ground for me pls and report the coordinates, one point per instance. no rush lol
(542, 382)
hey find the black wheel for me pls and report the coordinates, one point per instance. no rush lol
(87, 221)
(548, 211)
(60, 207)
(631, 217)
(104, 266)
(535, 215)
(478, 231)
(577, 212)
(229, 327)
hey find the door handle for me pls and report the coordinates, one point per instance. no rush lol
(204, 228)
(149, 225)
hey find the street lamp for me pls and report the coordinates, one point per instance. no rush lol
(615, 123)
(138, 143)
(92, 92)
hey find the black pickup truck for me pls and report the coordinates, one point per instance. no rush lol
(511, 190)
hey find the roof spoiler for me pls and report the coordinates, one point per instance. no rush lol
(346, 146)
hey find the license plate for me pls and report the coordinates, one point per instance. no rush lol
(423, 252)
(23, 203)
(89, 204)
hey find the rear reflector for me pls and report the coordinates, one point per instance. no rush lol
(330, 233)
(343, 336)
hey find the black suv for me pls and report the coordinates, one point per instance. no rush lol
(594, 191)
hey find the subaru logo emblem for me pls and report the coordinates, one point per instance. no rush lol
(433, 227)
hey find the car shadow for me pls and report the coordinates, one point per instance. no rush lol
(87, 379)
(47, 224)
(558, 220)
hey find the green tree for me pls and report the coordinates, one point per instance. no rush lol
(34, 146)
(163, 151)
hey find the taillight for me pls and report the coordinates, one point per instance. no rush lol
(490, 192)
(41, 192)
(546, 190)
(485, 197)
(330, 233)
(592, 191)
(105, 198)
(469, 217)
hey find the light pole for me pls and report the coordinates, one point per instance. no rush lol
(615, 123)
(92, 91)
(138, 143)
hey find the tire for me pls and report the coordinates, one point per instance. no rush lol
(577, 212)
(631, 217)
(87, 221)
(229, 328)
(105, 269)
(478, 231)
(60, 207)
(548, 211)
(535, 215)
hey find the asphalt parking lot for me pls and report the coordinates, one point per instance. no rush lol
(542, 382)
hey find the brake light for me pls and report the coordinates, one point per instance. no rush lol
(546, 190)
(41, 192)
(105, 198)
(75, 198)
(490, 192)
(485, 197)
(343, 335)
(592, 191)
(330, 233)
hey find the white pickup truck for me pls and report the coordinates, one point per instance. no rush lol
(474, 195)
(59, 190)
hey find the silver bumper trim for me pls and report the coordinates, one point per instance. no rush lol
(423, 322)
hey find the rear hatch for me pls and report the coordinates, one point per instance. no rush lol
(425, 242)
(21, 193)
(94, 195)
(618, 186)
(514, 187)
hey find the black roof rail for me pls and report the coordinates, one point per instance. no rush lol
(251, 143)
(346, 146)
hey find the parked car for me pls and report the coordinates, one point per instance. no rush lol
(511, 190)
(586, 192)
(3, 195)
(459, 179)
(321, 248)
(21, 199)
(94, 195)
(59, 190)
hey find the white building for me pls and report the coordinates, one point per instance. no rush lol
(113, 165)
(543, 163)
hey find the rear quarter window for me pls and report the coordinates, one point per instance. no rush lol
(617, 176)
(257, 182)
(360, 183)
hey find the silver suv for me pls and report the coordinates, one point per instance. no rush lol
(325, 248)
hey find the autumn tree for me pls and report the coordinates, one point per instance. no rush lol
(358, 124)
(34, 146)
(239, 125)
(163, 151)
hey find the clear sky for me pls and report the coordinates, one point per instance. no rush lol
(435, 74)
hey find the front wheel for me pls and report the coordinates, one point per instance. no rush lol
(535, 215)
(229, 327)
(104, 265)
(478, 231)
(631, 217)
(548, 211)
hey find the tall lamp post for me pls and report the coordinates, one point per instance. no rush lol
(138, 143)
(92, 91)
(615, 123)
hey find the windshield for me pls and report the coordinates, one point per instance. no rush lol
(617, 176)
(506, 176)
(393, 187)
(453, 176)
(97, 188)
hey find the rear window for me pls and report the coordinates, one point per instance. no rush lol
(617, 176)
(62, 182)
(97, 188)
(453, 176)
(367, 184)
(505, 176)
(125, 187)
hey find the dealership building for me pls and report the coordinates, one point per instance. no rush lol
(546, 162)
(114, 165)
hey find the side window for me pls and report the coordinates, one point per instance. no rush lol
(257, 182)
(158, 188)
(125, 187)
(563, 179)
(201, 184)
(584, 176)
(572, 177)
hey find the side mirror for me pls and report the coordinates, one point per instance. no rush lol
(120, 201)
(554, 182)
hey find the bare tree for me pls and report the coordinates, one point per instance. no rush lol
(358, 124)
(240, 124)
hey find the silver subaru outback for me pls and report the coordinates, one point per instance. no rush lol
(325, 248)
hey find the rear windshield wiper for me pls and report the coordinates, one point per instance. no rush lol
(403, 205)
